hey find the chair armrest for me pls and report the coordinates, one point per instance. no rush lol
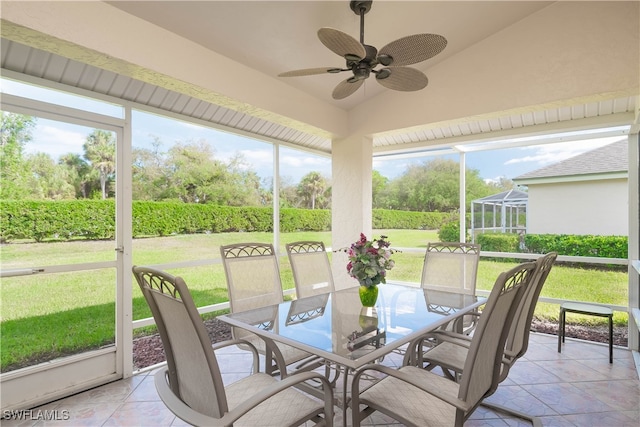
(227, 343)
(437, 386)
(237, 341)
(414, 352)
(453, 337)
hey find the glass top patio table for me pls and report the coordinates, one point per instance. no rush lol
(336, 326)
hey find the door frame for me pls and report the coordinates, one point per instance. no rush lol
(64, 376)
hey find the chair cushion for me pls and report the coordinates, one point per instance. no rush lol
(416, 406)
(281, 409)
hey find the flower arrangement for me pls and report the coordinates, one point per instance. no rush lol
(369, 260)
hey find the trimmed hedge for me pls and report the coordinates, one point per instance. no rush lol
(564, 244)
(95, 219)
(495, 242)
(569, 244)
(167, 218)
(405, 220)
(61, 220)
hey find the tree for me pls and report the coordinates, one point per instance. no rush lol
(48, 180)
(151, 173)
(311, 187)
(432, 187)
(100, 151)
(379, 184)
(246, 184)
(502, 184)
(288, 192)
(15, 133)
(78, 173)
(198, 177)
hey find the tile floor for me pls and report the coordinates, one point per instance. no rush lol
(577, 387)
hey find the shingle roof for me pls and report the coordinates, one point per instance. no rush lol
(610, 158)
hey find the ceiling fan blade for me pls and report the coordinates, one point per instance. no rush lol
(413, 49)
(311, 71)
(342, 44)
(346, 88)
(402, 78)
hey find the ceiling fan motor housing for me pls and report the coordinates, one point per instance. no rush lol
(360, 7)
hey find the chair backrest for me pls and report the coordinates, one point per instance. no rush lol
(451, 265)
(482, 367)
(194, 375)
(518, 338)
(311, 268)
(253, 278)
(253, 275)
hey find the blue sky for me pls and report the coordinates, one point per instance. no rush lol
(508, 163)
(57, 139)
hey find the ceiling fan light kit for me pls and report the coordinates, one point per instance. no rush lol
(362, 59)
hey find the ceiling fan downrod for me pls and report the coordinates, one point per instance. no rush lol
(361, 8)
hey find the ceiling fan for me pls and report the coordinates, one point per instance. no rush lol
(361, 59)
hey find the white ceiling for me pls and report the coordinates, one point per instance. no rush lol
(278, 36)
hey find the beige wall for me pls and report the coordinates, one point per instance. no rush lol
(588, 207)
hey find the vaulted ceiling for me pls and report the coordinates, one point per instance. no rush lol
(509, 68)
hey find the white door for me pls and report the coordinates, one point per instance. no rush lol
(65, 316)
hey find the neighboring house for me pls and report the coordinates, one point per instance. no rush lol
(585, 194)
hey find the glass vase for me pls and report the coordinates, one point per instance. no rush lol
(368, 319)
(368, 295)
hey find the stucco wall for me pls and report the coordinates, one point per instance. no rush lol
(589, 207)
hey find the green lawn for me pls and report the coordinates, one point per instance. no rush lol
(45, 316)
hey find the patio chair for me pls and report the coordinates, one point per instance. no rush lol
(253, 281)
(451, 352)
(449, 267)
(452, 266)
(311, 268)
(414, 396)
(191, 385)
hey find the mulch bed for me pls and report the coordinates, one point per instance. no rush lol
(148, 350)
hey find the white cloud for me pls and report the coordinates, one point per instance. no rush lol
(57, 139)
(495, 180)
(260, 161)
(552, 153)
(305, 161)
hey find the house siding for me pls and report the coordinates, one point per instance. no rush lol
(589, 207)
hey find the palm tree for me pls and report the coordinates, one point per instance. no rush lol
(100, 151)
(79, 173)
(311, 186)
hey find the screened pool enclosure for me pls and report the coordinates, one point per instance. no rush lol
(504, 212)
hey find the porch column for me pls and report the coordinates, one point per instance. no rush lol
(634, 239)
(352, 160)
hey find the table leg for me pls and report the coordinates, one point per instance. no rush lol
(345, 402)
(611, 339)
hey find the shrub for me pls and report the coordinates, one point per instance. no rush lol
(450, 232)
(388, 219)
(95, 219)
(495, 242)
(578, 245)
